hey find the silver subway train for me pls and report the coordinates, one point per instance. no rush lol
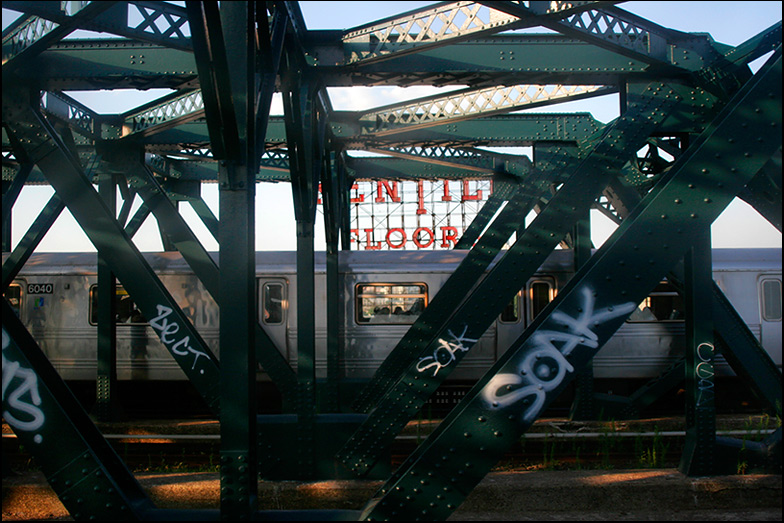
(382, 295)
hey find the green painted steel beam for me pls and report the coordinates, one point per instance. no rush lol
(64, 173)
(588, 311)
(106, 406)
(29, 38)
(156, 22)
(502, 59)
(469, 315)
(224, 42)
(763, 192)
(757, 46)
(480, 222)
(698, 458)
(111, 64)
(627, 34)
(482, 162)
(502, 130)
(24, 249)
(495, 60)
(306, 126)
(81, 467)
(744, 353)
(469, 104)
(438, 25)
(160, 115)
(367, 168)
(733, 338)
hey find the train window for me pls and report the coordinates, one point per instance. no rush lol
(13, 296)
(390, 303)
(511, 313)
(127, 312)
(771, 300)
(663, 304)
(540, 293)
(273, 302)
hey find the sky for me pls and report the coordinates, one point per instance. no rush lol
(727, 22)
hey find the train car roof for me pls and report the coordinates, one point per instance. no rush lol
(365, 261)
(750, 259)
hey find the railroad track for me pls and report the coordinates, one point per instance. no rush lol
(551, 444)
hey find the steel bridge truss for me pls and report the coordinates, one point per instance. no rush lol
(696, 129)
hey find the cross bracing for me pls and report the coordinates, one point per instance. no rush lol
(695, 126)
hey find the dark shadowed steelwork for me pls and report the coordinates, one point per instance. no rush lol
(696, 129)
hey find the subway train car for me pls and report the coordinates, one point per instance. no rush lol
(383, 293)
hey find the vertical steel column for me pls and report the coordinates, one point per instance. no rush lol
(331, 186)
(239, 463)
(304, 134)
(698, 454)
(106, 356)
(166, 241)
(583, 407)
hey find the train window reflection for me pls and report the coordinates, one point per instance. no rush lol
(390, 303)
(273, 302)
(127, 312)
(540, 293)
(663, 304)
(13, 296)
(771, 300)
(511, 313)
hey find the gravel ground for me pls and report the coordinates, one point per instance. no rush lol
(646, 495)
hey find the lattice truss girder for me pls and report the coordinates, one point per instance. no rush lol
(446, 23)
(415, 31)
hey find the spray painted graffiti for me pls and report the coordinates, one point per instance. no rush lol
(704, 372)
(444, 354)
(167, 330)
(543, 368)
(13, 397)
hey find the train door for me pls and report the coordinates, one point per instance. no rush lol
(511, 323)
(273, 311)
(524, 307)
(770, 315)
(541, 291)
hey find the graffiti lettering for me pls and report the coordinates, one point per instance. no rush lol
(13, 396)
(704, 372)
(444, 354)
(166, 329)
(544, 367)
(162, 324)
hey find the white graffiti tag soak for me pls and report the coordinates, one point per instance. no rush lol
(167, 329)
(19, 410)
(444, 354)
(542, 368)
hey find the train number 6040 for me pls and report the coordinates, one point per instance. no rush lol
(40, 288)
